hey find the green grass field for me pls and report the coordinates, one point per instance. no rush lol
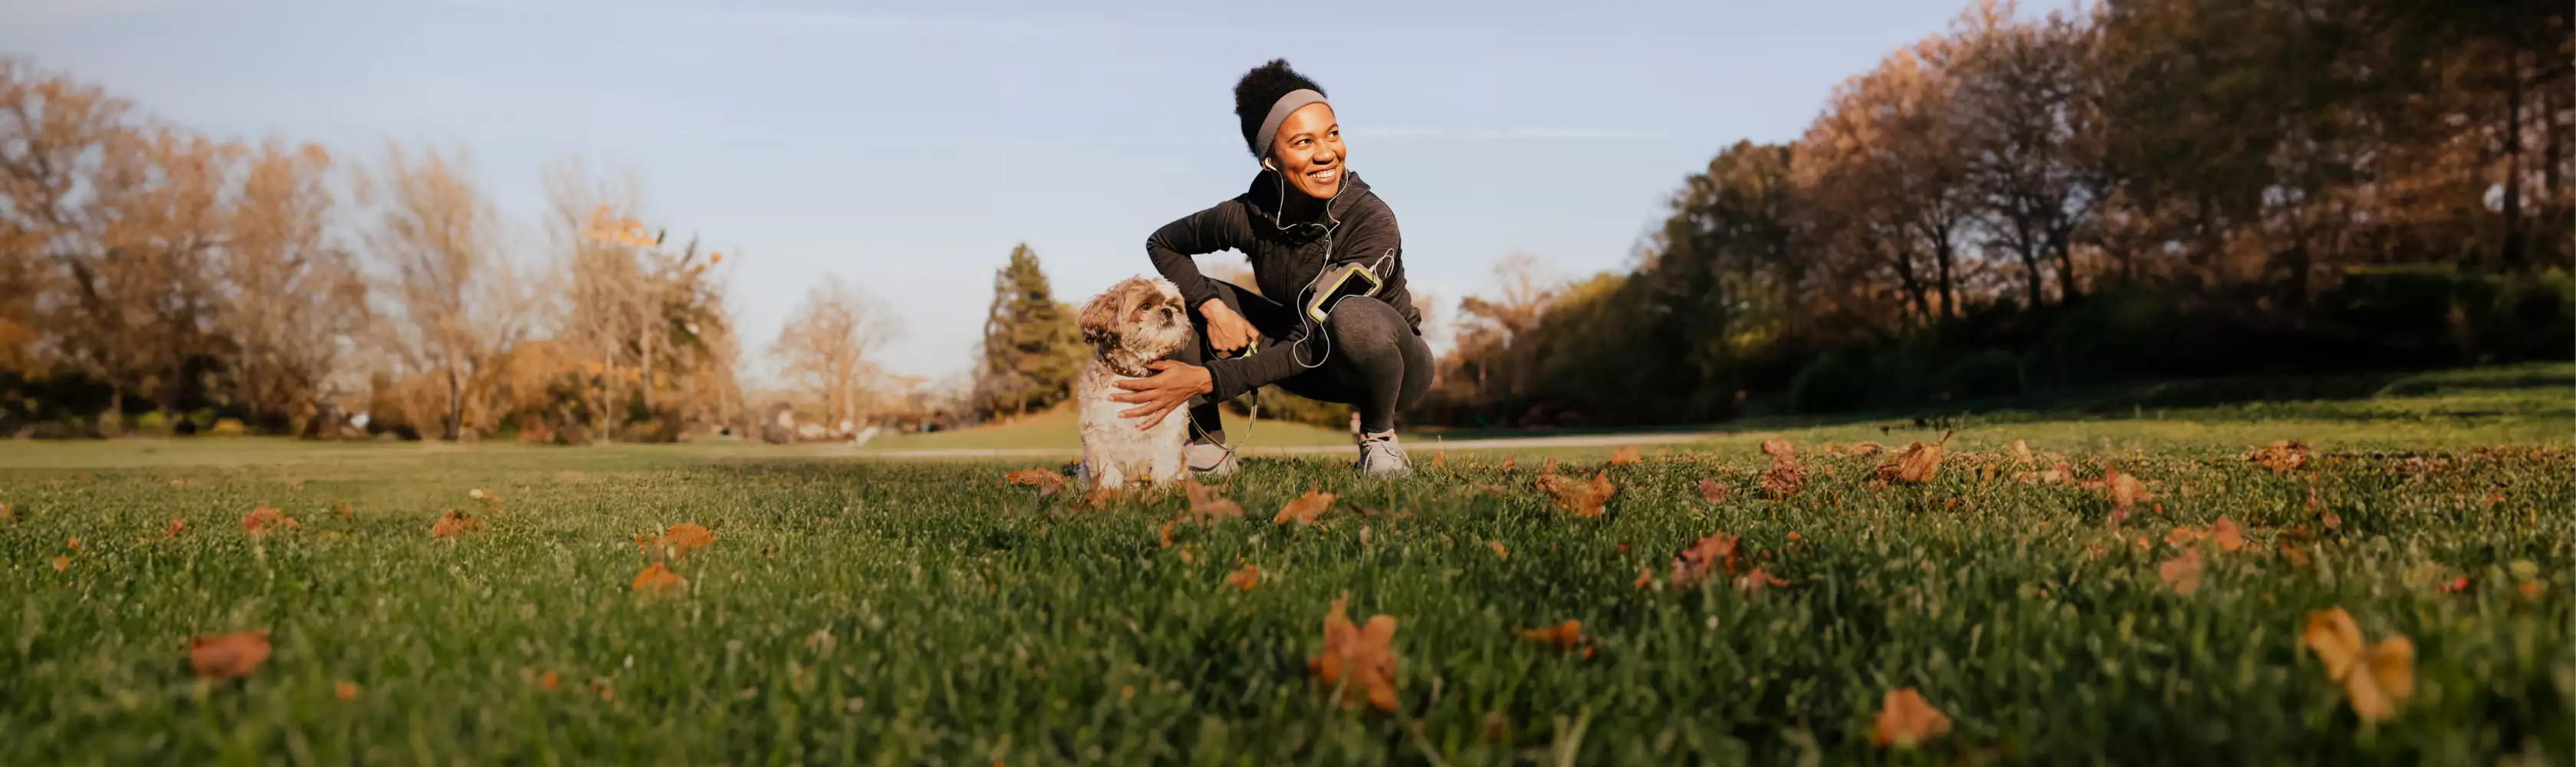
(888, 612)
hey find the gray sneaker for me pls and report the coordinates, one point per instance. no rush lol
(1209, 460)
(1381, 456)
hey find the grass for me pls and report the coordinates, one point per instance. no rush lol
(1055, 430)
(896, 612)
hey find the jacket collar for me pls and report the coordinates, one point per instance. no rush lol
(1267, 187)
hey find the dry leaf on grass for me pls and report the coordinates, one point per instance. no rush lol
(1711, 491)
(1625, 456)
(1047, 482)
(1499, 552)
(1357, 659)
(62, 563)
(1164, 535)
(1564, 636)
(2325, 514)
(1916, 465)
(228, 656)
(1245, 578)
(263, 520)
(175, 527)
(1905, 720)
(344, 690)
(452, 523)
(677, 540)
(657, 579)
(1304, 508)
(1206, 505)
(1758, 580)
(1784, 478)
(1581, 498)
(73, 544)
(2224, 533)
(2182, 572)
(2126, 490)
(2021, 452)
(1708, 556)
(2377, 678)
(547, 681)
(2281, 456)
(1869, 448)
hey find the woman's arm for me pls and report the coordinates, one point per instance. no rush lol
(1218, 228)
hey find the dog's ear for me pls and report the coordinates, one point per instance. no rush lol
(1100, 318)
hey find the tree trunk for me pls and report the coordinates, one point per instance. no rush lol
(2512, 251)
(455, 405)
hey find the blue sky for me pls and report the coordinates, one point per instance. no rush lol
(908, 147)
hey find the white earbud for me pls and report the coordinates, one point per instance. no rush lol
(1265, 163)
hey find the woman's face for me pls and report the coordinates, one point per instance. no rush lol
(1308, 150)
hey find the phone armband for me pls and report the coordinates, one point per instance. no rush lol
(1339, 283)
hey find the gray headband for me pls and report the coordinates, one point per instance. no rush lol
(1269, 134)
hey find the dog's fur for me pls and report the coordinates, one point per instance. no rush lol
(1135, 322)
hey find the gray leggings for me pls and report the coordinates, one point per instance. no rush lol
(1372, 359)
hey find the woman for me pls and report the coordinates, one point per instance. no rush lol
(1304, 221)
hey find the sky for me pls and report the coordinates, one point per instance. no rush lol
(908, 147)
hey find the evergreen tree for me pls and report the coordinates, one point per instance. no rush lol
(1031, 348)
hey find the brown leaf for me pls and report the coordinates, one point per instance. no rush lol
(547, 681)
(2182, 572)
(1245, 578)
(1165, 535)
(1499, 552)
(1625, 456)
(1583, 499)
(1778, 449)
(1358, 659)
(1712, 491)
(1305, 508)
(172, 531)
(658, 579)
(2325, 514)
(2126, 490)
(1509, 462)
(452, 523)
(1867, 449)
(228, 656)
(2021, 452)
(2224, 533)
(1916, 465)
(2377, 678)
(2281, 456)
(344, 690)
(62, 563)
(1565, 636)
(1047, 482)
(72, 544)
(1708, 556)
(263, 520)
(1758, 580)
(1206, 505)
(1905, 720)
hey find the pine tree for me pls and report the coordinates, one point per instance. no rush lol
(1031, 348)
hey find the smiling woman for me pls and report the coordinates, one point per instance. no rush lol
(1346, 330)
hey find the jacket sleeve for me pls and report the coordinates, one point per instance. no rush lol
(1218, 228)
(1375, 241)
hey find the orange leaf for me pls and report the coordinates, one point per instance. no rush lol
(1305, 508)
(1758, 580)
(1047, 482)
(1867, 449)
(1499, 551)
(1707, 556)
(172, 532)
(2021, 451)
(658, 579)
(1509, 462)
(1916, 465)
(2376, 678)
(1645, 578)
(1784, 478)
(1564, 635)
(228, 656)
(1358, 659)
(1583, 499)
(2325, 514)
(62, 563)
(2224, 533)
(2182, 572)
(547, 681)
(2281, 456)
(1245, 578)
(344, 690)
(1625, 456)
(72, 544)
(452, 523)
(1206, 505)
(688, 537)
(1711, 490)
(1778, 449)
(263, 520)
(1906, 720)
(1165, 535)
(2126, 490)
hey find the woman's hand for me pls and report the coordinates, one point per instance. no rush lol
(1173, 383)
(1227, 331)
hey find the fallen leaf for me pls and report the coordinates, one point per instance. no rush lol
(1047, 482)
(1305, 508)
(2292, 553)
(2376, 678)
(1358, 659)
(1916, 465)
(62, 563)
(345, 511)
(2224, 533)
(344, 690)
(2126, 490)
(547, 681)
(1645, 578)
(1439, 459)
(1565, 636)
(228, 656)
(1708, 556)
(452, 523)
(6, 515)
(1906, 720)
(1165, 535)
(1868, 448)
(478, 494)
(678, 540)
(1245, 578)
(1509, 462)
(2021, 452)
(2325, 515)
(1626, 456)
(2281, 456)
(1499, 551)
(2531, 588)
(1583, 499)
(172, 531)
(1758, 580)
(1778, 449)
(263, 520)
(2182, 572)
(1784, 478)
(657, 579)
(1206, 505)
(72, 544)
(601, 687)
(1713, 492)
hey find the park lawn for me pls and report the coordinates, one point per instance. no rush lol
(1055, 430)
(909, 612)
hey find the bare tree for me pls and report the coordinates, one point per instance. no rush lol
(825, 346)
(436, 238)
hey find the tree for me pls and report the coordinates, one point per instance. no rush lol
(456, 301)
(825, 347)
(292, 300)
(1031, 348)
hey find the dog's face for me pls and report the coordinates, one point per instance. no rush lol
(1141, 317)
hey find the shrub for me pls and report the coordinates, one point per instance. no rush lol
(1834, 383)
(1986, 374)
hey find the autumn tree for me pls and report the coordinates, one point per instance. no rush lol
(293, 300)
(1031, 349)
(454, 299)
(827, 345)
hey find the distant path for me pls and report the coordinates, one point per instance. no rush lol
(1505, 443)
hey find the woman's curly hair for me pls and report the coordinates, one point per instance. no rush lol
(1261, 88)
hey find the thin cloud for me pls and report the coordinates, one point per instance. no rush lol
(1533, 133)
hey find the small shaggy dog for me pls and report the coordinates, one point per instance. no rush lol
(1135, 322)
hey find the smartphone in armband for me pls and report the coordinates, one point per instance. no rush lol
(1339, 283)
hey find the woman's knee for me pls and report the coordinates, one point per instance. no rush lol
(1367, 327)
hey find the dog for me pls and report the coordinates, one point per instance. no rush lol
(1137, 321)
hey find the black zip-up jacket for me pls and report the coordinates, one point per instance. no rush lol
(1354, 227)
